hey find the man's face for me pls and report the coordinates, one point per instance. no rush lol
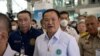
(3, 36)
(64, 16)
(51, 21)
(33, 24)
(92, 25)
(24, 21)
(14, 25)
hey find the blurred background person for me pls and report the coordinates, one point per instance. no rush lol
(64, 17)
(99, 19)
(42, 26)
(14, 25)
(34, 24)
(81, 27)
(81, 18)
(73, 24)
(99, 24)
(90, 44)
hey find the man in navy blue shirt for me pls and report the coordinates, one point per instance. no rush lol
(25, 36)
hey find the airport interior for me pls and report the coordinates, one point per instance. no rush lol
(74, 7)
(49, 27)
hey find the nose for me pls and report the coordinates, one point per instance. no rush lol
(89, 26)
(50, 22)
(23, 22)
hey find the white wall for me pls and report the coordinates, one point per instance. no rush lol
(90, 11)
(44, 4)
(84, 2)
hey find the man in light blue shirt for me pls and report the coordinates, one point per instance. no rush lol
(55, 42)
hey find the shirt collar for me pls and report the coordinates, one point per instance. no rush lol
(56, 35)
(8, 51)
(89, 36)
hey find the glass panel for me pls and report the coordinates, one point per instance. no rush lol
(19, 5)
(64, 3)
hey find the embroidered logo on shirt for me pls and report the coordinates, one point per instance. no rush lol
(58, 51)
(17, 41)
(32, 41)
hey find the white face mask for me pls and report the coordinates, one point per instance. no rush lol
(64, 23)
(14, 27)
(98, 28)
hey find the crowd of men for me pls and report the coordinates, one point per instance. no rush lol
(58, 36)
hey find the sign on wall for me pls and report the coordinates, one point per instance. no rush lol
(38, 15)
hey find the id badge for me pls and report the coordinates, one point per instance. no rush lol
(97, 52)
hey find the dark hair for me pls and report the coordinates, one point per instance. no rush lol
(64, 12)
(25, 11)
(49, 10)
(41, 21)
(6, 20)
(34, 20)
(14, 21)
(99, 19)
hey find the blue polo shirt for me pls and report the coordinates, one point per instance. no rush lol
(18, 39)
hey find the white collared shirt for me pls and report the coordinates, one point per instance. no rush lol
(72, 32)
(61, 44)
(9, 51)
